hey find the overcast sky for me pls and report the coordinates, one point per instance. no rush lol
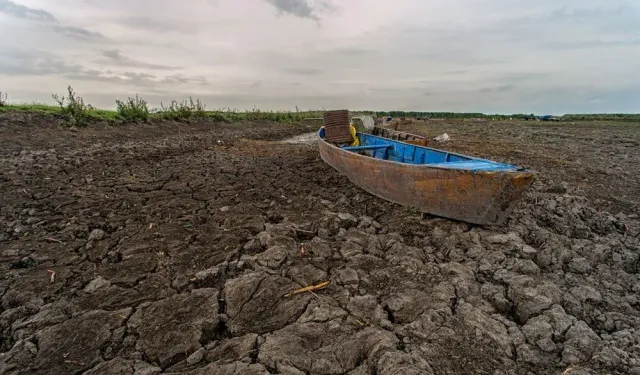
(504, 56)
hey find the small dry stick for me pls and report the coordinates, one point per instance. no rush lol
(52, 275)
(310, 288)
(51, 239)
(301, 230)
(315, 295)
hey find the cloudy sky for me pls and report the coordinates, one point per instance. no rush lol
(493, 56)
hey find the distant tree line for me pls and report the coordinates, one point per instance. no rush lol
(602, 117)
(519, 116)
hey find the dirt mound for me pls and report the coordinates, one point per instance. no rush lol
(148, 251)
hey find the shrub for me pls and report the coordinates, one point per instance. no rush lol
(184, 110)
(134, 109)
(3, 99)
(76, 111)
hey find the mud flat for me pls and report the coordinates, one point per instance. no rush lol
(169, 248)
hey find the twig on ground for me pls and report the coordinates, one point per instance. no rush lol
(301, 230)
(315, 295)
(310, 288)
(51, 239)
(52, 275)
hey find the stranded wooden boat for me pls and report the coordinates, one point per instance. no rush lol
(404, 171)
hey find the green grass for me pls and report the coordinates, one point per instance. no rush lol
(96, 114)
(217, 115)
(30, 108)
(76, 112)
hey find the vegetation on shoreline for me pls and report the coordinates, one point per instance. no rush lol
(136, 109)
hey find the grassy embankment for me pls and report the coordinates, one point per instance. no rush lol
(78, 113)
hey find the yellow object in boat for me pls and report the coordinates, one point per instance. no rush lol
(354, 135)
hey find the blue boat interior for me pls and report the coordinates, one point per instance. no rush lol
(398, 151)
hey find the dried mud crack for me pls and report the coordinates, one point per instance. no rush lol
(144, 250)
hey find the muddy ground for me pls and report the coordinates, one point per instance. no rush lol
(169, 248)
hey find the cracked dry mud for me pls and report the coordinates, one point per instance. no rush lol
(173, 247)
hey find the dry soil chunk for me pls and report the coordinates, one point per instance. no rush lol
(96, 284)
(273, 257)
(171, 329)
(396, 362)
(367, 309)
(528, 302)
(256, 303)
(323, 348)
(236, 368)
(119, 366)
(350, 249)
(233, 349)
(486, 325)
(539, 331)
(50, 314)
(319, 312)
(581, 344)
(96, 235)
(75, 345)
(406, 306)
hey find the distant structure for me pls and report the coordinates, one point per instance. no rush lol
(548, 118)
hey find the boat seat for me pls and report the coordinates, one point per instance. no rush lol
(368, 147)
(474, 165)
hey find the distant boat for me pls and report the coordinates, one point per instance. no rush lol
(405, 171)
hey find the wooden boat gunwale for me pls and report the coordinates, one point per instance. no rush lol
(516, 170)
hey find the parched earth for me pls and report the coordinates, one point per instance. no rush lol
(170, 249)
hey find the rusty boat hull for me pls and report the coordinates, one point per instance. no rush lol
(436, 182)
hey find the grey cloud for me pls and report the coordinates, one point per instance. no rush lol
(301, 8)
(456, 72)
(115, 57)
(620, 18)
(156, 26)
(303, 71)
(501, 88)
(179, 78)
(149, 81)
(588, 44)
(353, 51)
(561, 21)
(21, 62)
(77, 32)
(144, 23)
(21, 11)
(138, 79)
